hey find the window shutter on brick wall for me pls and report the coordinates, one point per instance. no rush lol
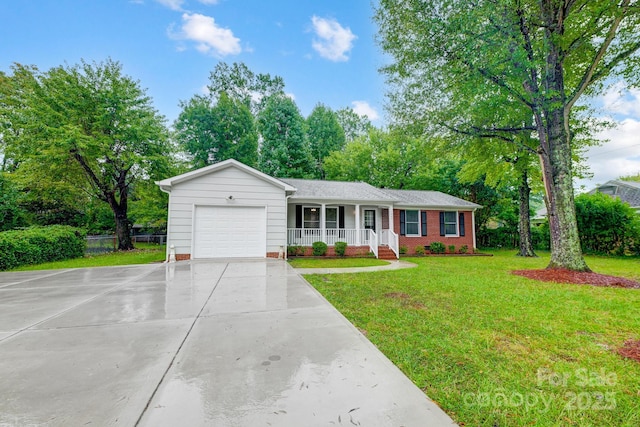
(403, 225)
(340, 216)
(423, 215)
(442, 224)
(461, 223)
(298, 216)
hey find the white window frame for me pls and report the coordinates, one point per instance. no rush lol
(304, 227)
(406, 222)
(455, 223)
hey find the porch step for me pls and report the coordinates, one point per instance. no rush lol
(385, 253)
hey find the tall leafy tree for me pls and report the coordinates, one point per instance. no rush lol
(535, 56)
(91, 126)
(213, 133)
(352, 123)
(242, 84)
(325, 135)
(284, 151)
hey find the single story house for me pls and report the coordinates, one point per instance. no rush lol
(626, 191)
(232, 210)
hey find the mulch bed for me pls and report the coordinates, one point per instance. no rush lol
(560, 275)
(631, 350)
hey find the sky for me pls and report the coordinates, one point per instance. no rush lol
(324, 50)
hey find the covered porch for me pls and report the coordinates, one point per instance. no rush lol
(355, 224)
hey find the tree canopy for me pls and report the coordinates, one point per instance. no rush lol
(89, 128)
(534, 59)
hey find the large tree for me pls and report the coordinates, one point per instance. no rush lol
(89, 125)
(242, 84)
(539, 56)
(325, 135)
(213, 133)
(284, 152)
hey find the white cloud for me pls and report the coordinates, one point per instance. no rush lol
(333, 41)
(623, 101)
(362, 108)
(208, 36)
(619, 156)
(208, 1)
(172, 4)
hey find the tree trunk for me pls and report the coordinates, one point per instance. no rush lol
(524, 220)
(123, 226)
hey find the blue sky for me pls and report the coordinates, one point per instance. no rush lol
(324, 50)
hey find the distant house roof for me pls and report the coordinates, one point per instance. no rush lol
(626, 191)
(337, 190)
(434, 199)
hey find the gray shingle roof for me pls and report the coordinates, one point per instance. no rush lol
(627, 191)
(426, 199)
(363, 192)
(337, 190)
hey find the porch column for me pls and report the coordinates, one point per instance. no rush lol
(323, 224)
(390, 225)
(473, 228)
(357, 225)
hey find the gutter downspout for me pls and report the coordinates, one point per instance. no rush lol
(286, 226)
(473, 228)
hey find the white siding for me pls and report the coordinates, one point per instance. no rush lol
(214, 189)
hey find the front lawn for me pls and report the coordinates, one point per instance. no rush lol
(335, 262)
(495, 349)
(144, 253)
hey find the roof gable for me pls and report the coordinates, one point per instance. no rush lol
(166, 184)
(626, 191)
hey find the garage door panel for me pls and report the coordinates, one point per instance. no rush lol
(237, 231)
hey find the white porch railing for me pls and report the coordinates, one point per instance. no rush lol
(353, 237)
(373, 242)
(394, 243)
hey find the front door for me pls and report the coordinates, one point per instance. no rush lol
(370, 219)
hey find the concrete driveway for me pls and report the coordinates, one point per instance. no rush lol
(237, 343)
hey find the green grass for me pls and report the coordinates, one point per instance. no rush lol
(144, 253)
(495, 349)
(335, 262)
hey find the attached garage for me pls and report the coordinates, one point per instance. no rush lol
(229, 231)
(226, 210)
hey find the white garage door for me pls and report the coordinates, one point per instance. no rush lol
(236, 231)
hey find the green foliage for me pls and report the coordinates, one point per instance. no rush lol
(340, 248)
(419, 250)
(296, 250)
(606, 224)
(451, 249)
(40, 244)
(284, 152)
(319, 248)
(324, 135)
(353, 125)
(88, 129)
(464, 249)
(508, 238)
(241, 84)
(437, 248)
(213, 133)
(11, 213)
(403, 249)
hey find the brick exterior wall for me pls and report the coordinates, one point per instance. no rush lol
(351, 251)
(183, 257)
(433, 233)
(273, 254)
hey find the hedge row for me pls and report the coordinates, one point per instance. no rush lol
(40, 244)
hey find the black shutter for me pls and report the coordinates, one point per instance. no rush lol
(298, 216)
(461, 223)
(442, 233)
(340, 216)
(423, 218)
(403, 225)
